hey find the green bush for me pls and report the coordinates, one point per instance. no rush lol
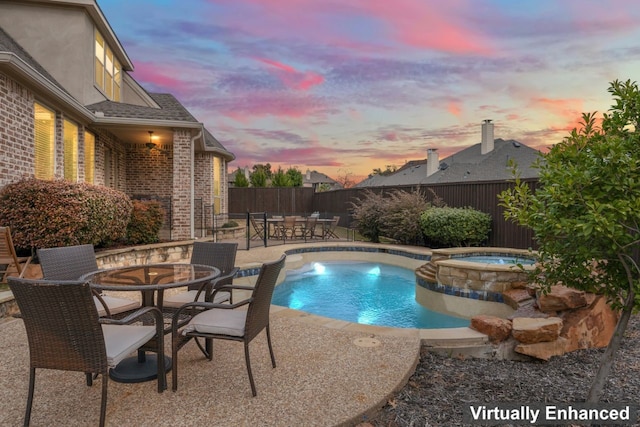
(60, 213)
(449, 227)
(145, 223)
(230, 224)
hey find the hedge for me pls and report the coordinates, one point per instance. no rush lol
(448, 227)
(60, 213)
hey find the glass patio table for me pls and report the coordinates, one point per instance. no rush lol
(151, 280)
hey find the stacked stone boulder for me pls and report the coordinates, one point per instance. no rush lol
(549, 324)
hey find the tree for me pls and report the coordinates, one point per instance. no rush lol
(345, 178)
(295, 176)
(586, 215)
(258, 177)
(280, 179)
(390, 170)
(266, 169)
(240, 179)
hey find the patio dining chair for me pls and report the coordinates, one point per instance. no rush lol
(309, 227)
(8, 256)
(330, 232)
(65, 333)
(258, 227)
(220, 255)
(227, 322)
(71, 263)
(289, 228)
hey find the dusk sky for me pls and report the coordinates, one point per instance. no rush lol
(347, 86)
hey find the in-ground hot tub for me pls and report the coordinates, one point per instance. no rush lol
(458, 277)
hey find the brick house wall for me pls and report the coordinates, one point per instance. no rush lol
(16, 131)
(149, 172)
(181, 200)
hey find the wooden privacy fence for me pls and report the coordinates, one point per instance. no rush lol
(482, 196)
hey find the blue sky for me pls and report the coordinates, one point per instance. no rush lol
(347, 86)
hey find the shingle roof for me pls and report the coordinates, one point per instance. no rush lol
(170, 109)
(466, 165)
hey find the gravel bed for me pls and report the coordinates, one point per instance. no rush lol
(435, 394)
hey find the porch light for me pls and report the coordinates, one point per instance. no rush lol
(150, 145)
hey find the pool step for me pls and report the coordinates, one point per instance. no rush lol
(428, 272)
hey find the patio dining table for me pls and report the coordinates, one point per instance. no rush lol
(151, 280)
(274, 223)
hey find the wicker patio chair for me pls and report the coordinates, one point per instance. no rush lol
(220, 255)
(72, 262)
(225, 321)
(8, 257)
(65, 333)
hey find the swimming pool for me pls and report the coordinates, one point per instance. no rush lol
(362, 292)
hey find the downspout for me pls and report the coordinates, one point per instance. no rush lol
(193, 182)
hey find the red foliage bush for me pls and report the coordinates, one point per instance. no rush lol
(60, 213)
(146, 222)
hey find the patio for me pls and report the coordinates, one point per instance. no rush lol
(328, 373)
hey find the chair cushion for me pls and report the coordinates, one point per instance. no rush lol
(179, 299)
(116, 305)
(122, 340)
(218, 321)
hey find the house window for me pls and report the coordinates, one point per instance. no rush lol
(217, 174)
(89, 157)
(108, 71)
(44, 141)
(70, 140)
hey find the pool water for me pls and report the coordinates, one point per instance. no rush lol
(360, 292)
(497, 259)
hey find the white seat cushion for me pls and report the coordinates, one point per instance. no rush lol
(122, 340)
(180, 299)
(218, 321)
(116, 305)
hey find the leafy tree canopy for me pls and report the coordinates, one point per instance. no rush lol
(240, 179)
(586, 213)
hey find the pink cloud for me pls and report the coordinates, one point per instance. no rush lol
(167, 77)
(292, 78)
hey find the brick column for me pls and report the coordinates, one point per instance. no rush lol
(182, 196)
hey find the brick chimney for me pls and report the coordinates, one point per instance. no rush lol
(487, 137)
(433, 163)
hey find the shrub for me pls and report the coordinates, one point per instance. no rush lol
(60, 213)
(401, 217)
(367, 213)
(145, 223)
(230, 224)
(455, 226)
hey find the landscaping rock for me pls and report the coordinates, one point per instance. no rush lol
(514, 298)
(496, 328)
(561, 298)
(543, 350)
(535, 330)
(589, 327)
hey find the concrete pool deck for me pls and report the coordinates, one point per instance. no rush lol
(329, 373)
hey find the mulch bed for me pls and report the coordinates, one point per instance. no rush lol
(436, 393)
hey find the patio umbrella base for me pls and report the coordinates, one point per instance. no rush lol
(134, 370)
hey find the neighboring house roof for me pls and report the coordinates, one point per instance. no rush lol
(466, 165)
(315, 177)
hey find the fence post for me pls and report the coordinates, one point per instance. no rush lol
(266, 228)
(248, 232)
